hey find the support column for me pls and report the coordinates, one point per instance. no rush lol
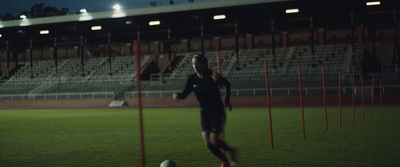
(169, 49)
(285, 39)
(30, 56)
(321, 36)
(396, 39)
(312, 37)
(82, 54)
(312, 42)
(249, 41)
(109, 52)
(353, 39)
(236, 39)
(361, 35)
(202, 38)
(273, 43)
(55, 53)
(8, 59)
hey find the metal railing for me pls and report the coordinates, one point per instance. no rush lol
(280, 91)
(58, 96)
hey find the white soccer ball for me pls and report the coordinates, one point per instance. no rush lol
(168, 163)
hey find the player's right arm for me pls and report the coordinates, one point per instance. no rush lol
(186, 91)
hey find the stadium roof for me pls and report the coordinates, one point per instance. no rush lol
(133, 12)
(188, 20)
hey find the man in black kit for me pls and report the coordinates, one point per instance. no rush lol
(205, 83)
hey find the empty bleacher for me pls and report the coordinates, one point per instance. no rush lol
(245, 71)
(71, 76)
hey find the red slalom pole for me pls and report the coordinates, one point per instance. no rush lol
(353, 98)
(363, 104)
(326, 114)
(219, 72)
(381, 95)
(301, 103)
(340, 100)
(219, 62)
(372, 103)
(139, 98)
(268, 103)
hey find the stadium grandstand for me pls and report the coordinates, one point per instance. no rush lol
(91, 56)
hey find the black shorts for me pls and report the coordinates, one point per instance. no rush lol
(213, 123)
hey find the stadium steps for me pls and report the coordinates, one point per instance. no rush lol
(287, 60)
(49, 83)
(25, 67)
(348, 56)
(181, 64)
(61, 65)
(103, 61)
(231, 64)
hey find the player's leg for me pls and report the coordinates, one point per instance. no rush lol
(216, 136)
(210, 143)
(215, 139)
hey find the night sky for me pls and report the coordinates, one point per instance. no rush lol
(16, 7)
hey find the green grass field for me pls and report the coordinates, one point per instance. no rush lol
(110, 137)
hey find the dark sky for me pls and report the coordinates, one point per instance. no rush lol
(16, 7)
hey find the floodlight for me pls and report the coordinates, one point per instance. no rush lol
(1, 35)
(372, 3)
(116, 7)
(85, 16)
(219, 17)
(96, 28)
(292, 10)
(154, 23)
(83, 11)
(24, 21)
(44, 32)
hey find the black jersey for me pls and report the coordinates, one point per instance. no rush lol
(207, 91)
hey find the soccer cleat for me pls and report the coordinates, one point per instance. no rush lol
(233, 155)
(225, 164)
(234, 164)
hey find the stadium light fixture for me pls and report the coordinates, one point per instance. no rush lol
(154, 23)
(117, 7)
(118, 12)
(1, 35)
(85, 16)
(43, 32)
(24, 21)
(83, 11)
(96, 28)
(292, 11)
(219, 17)
(373, 3)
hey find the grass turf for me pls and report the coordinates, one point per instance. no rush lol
(110, 137)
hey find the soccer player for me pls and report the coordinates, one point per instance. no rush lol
(205, 83)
